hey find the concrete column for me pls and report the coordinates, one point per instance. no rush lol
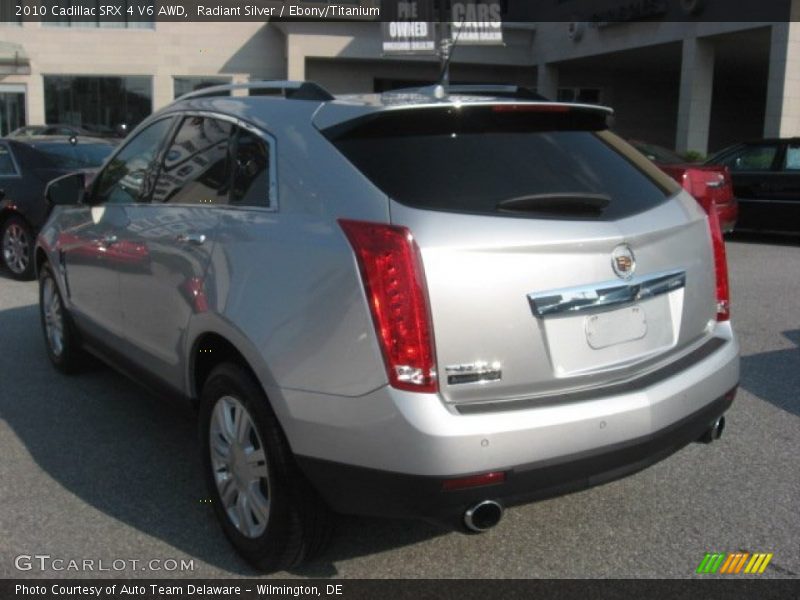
(547, 80)
(782, 114)
(35, 113)
(295, 58)
(694, 100)
(163, 89)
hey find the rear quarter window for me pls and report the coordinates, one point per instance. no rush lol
(477, 159)
(64, 155)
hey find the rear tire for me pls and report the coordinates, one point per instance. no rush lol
(267, 509)
(60, 337)
(16, 247)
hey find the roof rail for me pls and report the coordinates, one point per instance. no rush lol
(292, 90)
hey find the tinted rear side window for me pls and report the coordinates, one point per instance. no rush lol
(502, 162)
(197, 167)
(753, 157)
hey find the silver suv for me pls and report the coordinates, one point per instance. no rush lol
(407, 305)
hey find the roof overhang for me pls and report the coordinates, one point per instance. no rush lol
(13, 59)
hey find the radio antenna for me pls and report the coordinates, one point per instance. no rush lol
(447, 48)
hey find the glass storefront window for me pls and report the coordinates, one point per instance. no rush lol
(12, 108)
(184, 85)
(99, 104)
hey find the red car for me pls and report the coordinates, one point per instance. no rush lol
(707, 183)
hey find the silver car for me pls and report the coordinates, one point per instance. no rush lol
(409, 305)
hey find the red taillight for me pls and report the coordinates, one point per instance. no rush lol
(710, 185)
(394, 280)
(462, 483)
(720, 260)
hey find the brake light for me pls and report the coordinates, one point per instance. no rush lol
(540, 108)
(720, 261)
(394, 281)
(713, 185)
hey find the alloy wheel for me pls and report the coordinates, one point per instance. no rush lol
(16, 248)
(53, 316)
(240, 466)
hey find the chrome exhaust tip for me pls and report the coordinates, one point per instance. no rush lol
(714, 432)
(718, 428)
(483, 516)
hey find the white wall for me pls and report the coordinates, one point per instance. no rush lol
(240, 50)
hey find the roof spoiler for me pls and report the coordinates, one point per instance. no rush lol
(291, 90)
(494, 90)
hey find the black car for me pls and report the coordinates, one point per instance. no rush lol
(766, 182)
(26, 166)
(57, 129)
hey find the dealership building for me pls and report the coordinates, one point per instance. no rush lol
(687, 85)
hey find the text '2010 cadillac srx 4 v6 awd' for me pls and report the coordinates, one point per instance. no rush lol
(409, 305)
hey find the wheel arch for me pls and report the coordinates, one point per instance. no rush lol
(39, 258)
(8, 210)
(209, 350)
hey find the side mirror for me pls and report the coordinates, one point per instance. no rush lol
(2, 194)
(121, 130)
(66, 190)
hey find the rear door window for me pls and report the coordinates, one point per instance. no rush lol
(212, 161)
(197, 164)
(753, 157)
(502, 161)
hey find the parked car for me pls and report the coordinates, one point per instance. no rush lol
(766, 182)
(58, 129)
(26, 166)
(708, 183)
(412, 305)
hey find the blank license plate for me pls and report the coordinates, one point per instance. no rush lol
(616, 327)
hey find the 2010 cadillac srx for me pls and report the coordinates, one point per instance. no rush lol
(411, 305)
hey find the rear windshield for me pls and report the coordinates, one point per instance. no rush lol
(65, 155)
(486, 160)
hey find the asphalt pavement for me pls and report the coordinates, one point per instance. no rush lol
(92, 467)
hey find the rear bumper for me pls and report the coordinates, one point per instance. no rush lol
(387, 453)
(357, 490)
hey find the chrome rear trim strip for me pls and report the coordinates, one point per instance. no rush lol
(602, 296)
(593, 393)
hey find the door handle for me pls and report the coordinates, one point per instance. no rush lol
(192, 238)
